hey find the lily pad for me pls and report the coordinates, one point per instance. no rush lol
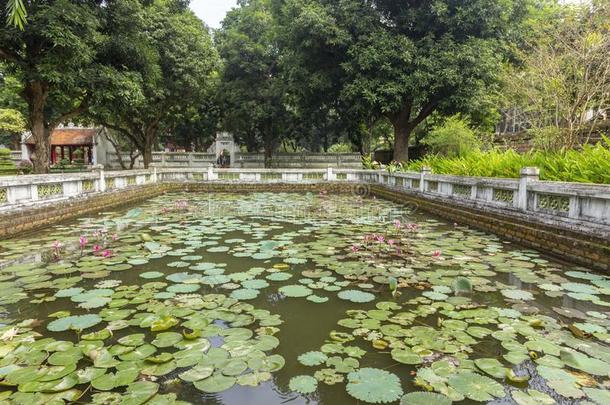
(476, 387)
(303, 384)
(374, 386)
(425, 398)
(356, 296)
(74, 322)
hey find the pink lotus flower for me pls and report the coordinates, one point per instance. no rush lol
(379, 238)
(391, 242)
(82, 241)
(436, 253)
(398, 250)
(57, 245)
(106, 253)
(115, 237)
(96, 248)
(355, 248)
(397, 223)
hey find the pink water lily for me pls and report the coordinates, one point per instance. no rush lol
(436, 253)
(115, 237)
(107, 253)
(82, 241)
(391, 242)
(379, 238)
(57, 245)
(355, 248)
(397, 224)
(96, 248)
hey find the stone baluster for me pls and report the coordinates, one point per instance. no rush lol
(528, 175)
(425, 170)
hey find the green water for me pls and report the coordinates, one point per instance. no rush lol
(224, 245)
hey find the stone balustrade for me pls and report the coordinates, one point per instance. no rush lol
(245, 160)
(557, 202)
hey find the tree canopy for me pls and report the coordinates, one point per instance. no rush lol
(173, 69)
(300, 74)
(400, 59)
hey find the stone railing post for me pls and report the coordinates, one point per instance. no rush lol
(528, 175)
(101, 186)
(162, 158)
(330, 176)
(425, 170)
(190, 159)
(154, 177)
(210, 172)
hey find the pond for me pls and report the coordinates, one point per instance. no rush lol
(272, 298)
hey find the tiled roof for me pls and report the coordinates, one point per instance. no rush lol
(70, 136)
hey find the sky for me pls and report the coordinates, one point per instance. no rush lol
(212, 12)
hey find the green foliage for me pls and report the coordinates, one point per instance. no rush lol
(252, 88)
(341, 148)
(172, 72)
(11, 121)
(589, 165)
(369, 164)
(16, 13)
(7, 166)
(383, 58)
(453, 138)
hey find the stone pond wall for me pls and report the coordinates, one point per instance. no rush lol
(568, 220)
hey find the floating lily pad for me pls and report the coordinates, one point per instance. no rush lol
(74, 322)
(374, 385)
(215, 383)
(312, 358)
(424, 398)
(518, 295)
(356, 296)
(476, 387)
(303, 384)
(295, 291)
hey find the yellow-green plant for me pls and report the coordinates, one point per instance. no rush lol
(591, 164)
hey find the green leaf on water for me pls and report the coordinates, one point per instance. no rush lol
(373, 385)
(303, 384)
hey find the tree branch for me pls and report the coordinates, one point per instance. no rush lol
(82, 107)
(425, 111)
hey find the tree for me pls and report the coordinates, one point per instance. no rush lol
(253, 90)
(400, 59)
(562, 88)
(60, 57)
(174, 65)
(12, 124)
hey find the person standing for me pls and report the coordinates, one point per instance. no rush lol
(222, 161)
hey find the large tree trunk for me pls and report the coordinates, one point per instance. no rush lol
(36, 96)
(147, 149)
(401, 142)
(404, 125)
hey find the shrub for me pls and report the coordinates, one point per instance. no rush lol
(341, 148)
(25, 167)
(589, 165)
(453, 138)
(7, 166)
